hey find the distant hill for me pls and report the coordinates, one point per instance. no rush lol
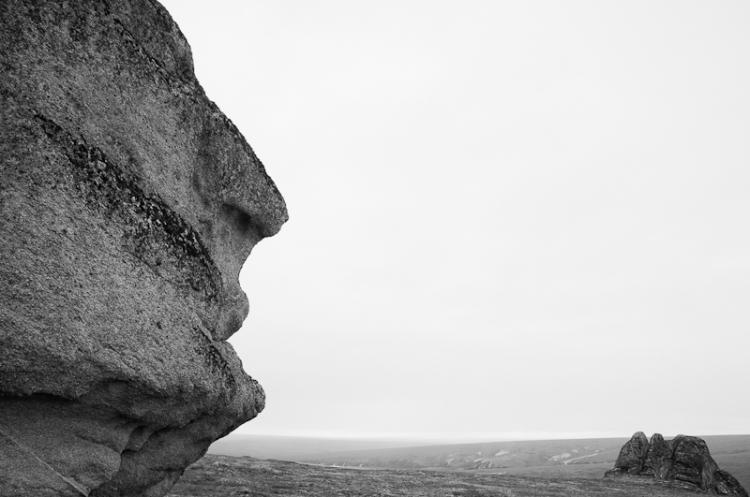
(297, 448)
(576, 458)
(496, 457)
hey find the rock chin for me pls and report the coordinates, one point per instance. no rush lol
(685, 459)
(128, 204)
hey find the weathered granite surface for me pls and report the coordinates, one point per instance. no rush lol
(633, 454)
(128, 204)
(684, 458)
(658, 461)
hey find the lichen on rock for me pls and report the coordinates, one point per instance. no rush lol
(128, 204)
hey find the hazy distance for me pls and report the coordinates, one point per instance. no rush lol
(509, 220)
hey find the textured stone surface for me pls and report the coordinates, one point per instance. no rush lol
(128, 204)
(633, 454)
(727, 484)
(692, 462)
(684, 458)
(659, 458)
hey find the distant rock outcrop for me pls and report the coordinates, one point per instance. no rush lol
(128, 204)
(684, 459)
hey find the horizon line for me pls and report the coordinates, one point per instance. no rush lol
(460, 437)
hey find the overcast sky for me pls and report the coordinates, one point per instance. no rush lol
(513, 219)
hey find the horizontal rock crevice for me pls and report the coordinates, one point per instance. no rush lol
(154, 228)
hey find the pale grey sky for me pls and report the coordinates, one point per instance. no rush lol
(508, 219)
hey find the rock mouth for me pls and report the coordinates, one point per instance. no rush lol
(232, 317)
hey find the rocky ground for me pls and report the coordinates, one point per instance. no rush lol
(244, 476)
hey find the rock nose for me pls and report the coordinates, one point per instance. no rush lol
(250, 191)
(239, 206)
(229, 172)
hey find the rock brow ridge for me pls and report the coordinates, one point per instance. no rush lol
(128, 204)
(684, 458)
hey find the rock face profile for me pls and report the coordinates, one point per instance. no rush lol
(683, 458)
(128, 204)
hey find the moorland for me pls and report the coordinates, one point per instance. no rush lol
(511, 468)
(216, 476)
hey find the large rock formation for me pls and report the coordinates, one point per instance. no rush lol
(128, 204)
(684, 459)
